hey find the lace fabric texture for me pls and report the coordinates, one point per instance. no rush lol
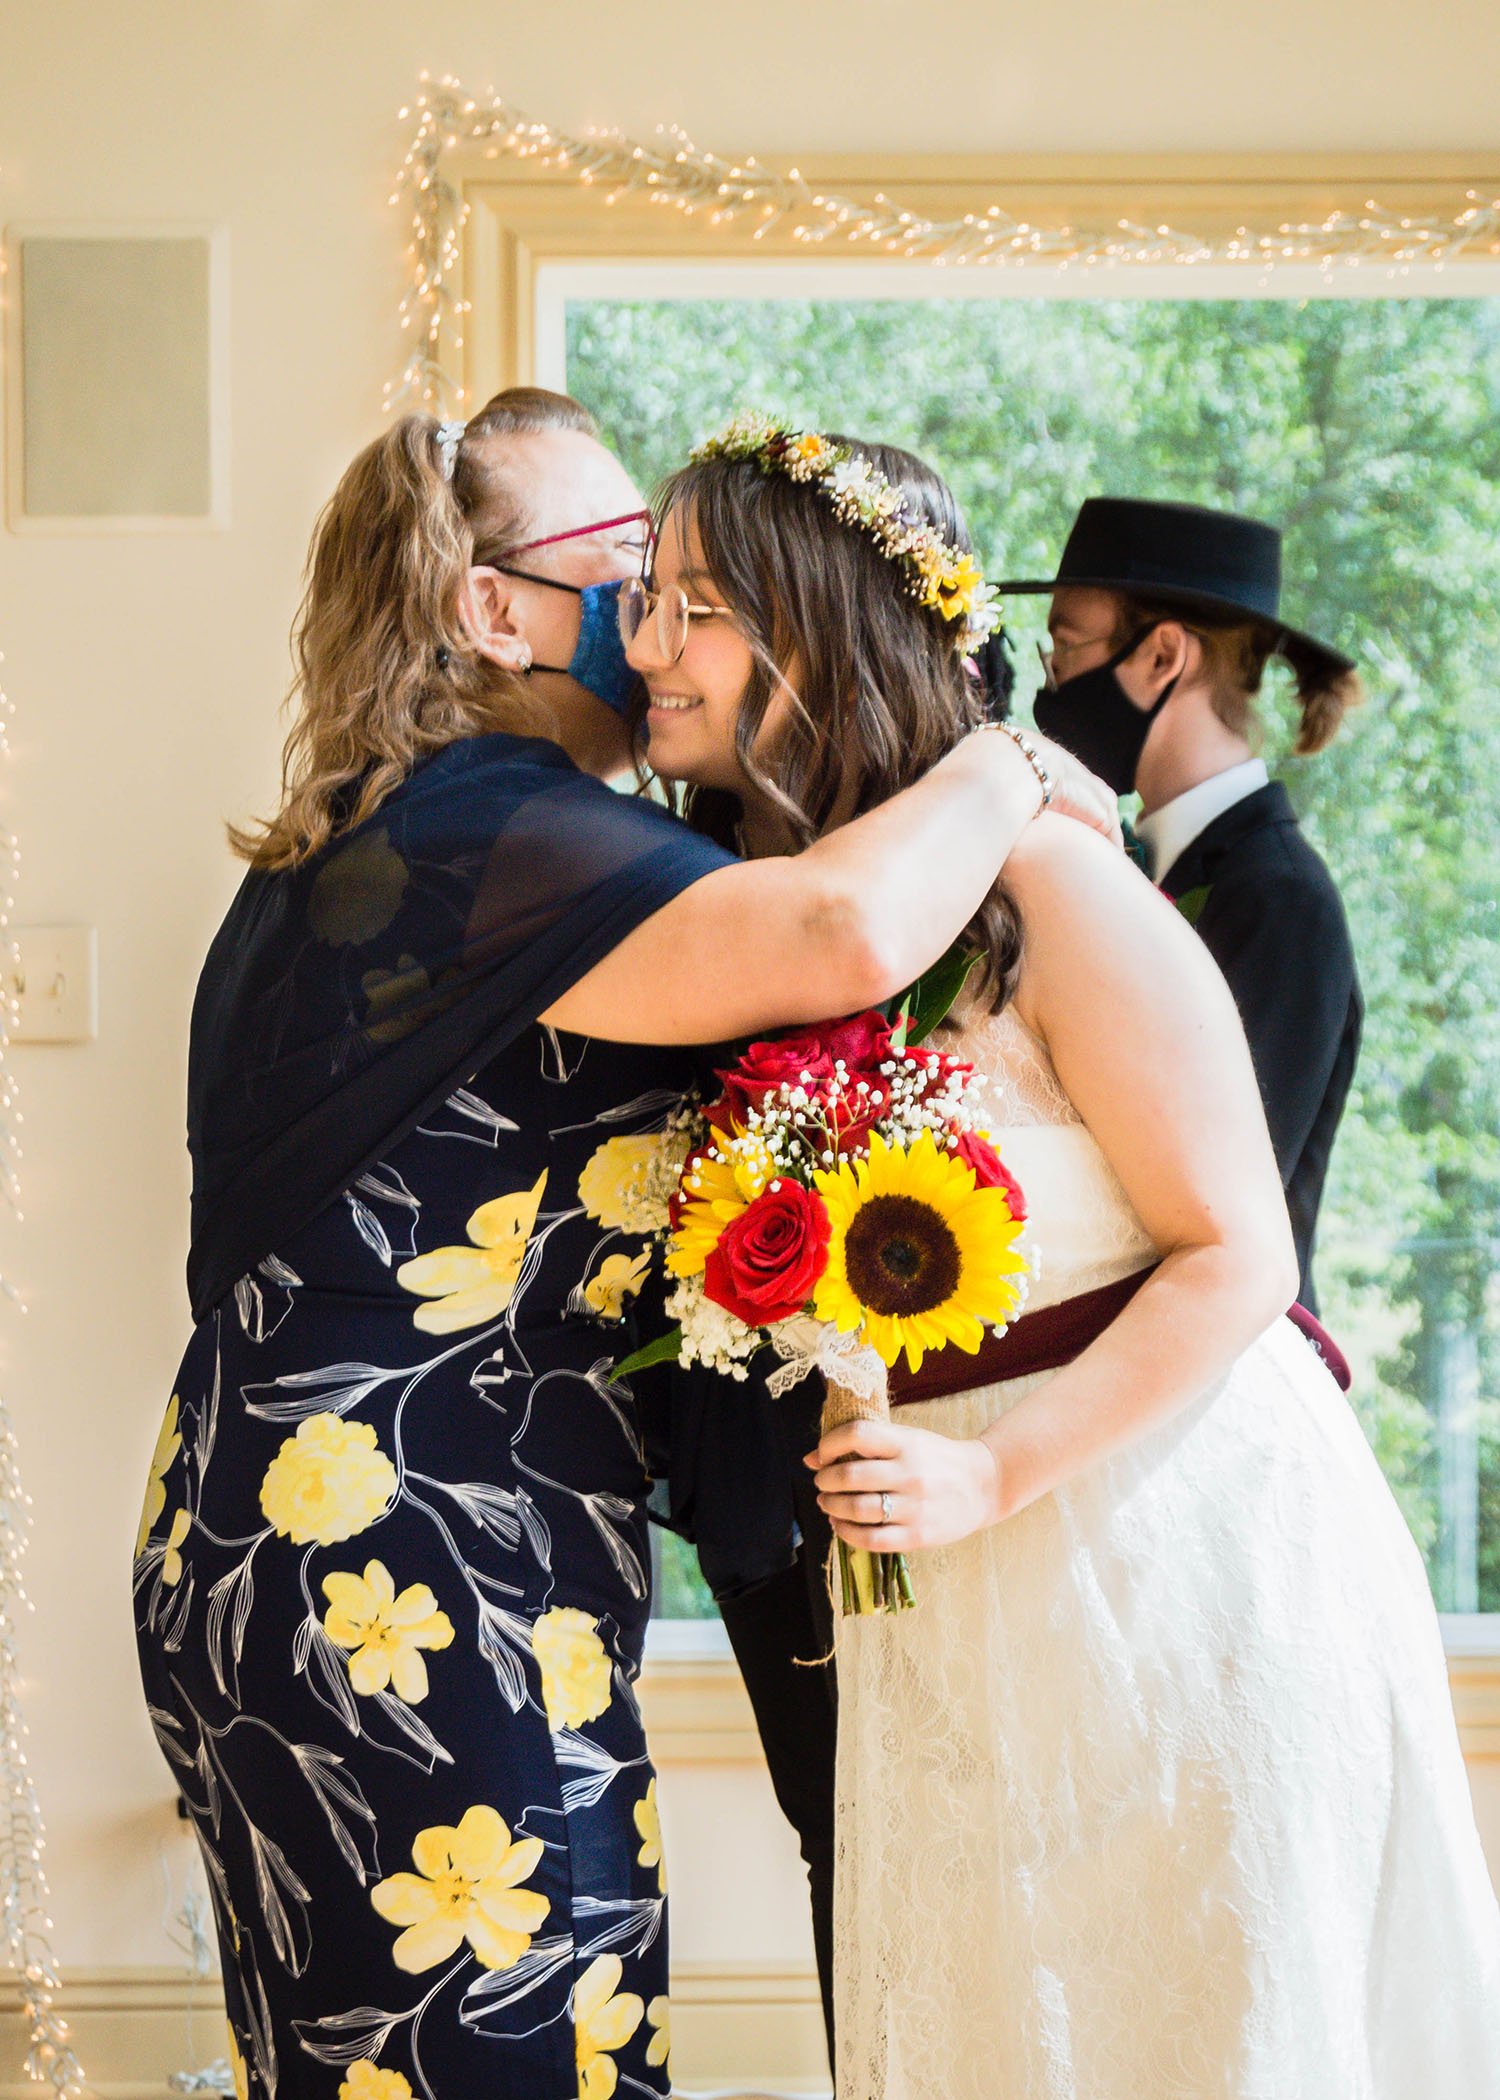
(1157, 1794)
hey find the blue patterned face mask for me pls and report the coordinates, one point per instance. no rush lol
(598, 662)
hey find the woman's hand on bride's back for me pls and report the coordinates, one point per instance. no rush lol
(1078, 793)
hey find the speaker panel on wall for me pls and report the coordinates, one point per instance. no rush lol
(116, 379)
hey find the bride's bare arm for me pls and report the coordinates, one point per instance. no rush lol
(1149, 1048)
(839, 926)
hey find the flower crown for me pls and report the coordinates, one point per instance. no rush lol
(938, 574)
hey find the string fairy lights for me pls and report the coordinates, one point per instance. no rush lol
(23, 1882)
(673, 173)
(25, 1925)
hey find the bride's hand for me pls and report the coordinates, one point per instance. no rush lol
(1076, 792)
(940, 1487)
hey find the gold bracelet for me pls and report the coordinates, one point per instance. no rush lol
(1029, 752)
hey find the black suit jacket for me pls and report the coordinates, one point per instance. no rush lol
(1274, 923)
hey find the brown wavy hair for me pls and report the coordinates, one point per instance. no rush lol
(1236, 653)
(881, 694)
(385, 672)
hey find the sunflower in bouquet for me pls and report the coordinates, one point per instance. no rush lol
(841, 1203)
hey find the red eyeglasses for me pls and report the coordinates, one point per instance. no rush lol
(580, 532)
(486, 560)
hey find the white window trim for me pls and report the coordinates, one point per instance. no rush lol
(555, 283)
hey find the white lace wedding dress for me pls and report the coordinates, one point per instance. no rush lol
(1157, 1794)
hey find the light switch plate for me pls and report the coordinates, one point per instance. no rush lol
(53, 977)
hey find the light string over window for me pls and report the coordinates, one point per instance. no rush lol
(671, 171)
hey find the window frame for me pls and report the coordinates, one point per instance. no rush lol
(532, 239)
(519, 220)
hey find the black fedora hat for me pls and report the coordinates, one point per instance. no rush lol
(1183, 554)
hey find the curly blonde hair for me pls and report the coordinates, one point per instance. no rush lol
(385, 672)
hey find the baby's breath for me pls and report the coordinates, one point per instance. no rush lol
(710, 1336)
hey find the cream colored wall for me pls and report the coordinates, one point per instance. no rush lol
(146, 671)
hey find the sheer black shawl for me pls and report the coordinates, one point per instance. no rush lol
(344, 999)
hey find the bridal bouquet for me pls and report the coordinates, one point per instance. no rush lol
(840, 1203)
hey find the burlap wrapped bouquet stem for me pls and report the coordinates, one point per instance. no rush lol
(847, 1403)
(867, 1581)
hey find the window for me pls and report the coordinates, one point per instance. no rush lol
(1369, 427)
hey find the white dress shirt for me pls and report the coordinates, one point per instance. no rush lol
(1168, 832)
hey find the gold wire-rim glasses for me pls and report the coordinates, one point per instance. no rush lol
(671, 608)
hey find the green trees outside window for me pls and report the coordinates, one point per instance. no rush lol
(1369, 429)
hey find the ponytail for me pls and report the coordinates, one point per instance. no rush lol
(1325, 695)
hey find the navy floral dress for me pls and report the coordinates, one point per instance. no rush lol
(392, 1580)
(392, 1586)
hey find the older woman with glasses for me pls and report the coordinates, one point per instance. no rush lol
(391, 1575)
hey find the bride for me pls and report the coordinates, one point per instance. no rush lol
(1157, 1792)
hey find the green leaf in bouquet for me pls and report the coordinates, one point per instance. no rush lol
(664, 1350)
(932, 997)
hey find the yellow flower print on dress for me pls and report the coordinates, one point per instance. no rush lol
(171, 1560)
(601, 2022)
(168, 1444)
(648, 1823)
(474, 1284)
(659, 2016)
(384, 1631)
(237, 2068)
(358, 891)
(628, 1180)
(618, 1277)
(575, 1667)
(395, 1000)
(327, 1482)
(466, 1887)
(366, 2081)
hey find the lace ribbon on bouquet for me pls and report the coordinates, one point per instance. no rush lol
(806, 1345)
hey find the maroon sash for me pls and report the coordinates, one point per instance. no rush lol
(1038, 1341)
(1054, 1336)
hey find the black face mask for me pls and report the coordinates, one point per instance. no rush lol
(1094, 717)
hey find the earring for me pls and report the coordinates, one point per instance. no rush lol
(525, 663)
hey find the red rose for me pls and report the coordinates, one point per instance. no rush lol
(771, 1256)
(863, 1041)
(983, 1161)
(763, 1067)
(856, 1115)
